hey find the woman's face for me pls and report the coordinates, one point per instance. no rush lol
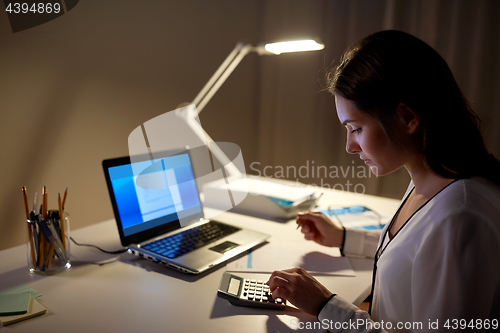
(366, 137)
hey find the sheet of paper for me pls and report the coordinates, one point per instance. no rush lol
(272, 189)
(314, 258)
(21, 289)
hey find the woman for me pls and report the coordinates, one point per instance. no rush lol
(437, 261)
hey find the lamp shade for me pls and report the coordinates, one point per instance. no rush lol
(293, 46)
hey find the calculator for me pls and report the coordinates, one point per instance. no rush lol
(246, 292)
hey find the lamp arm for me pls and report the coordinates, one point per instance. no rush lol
(230, 168)
(222, 73)
(206, 94)
(190, 117)
(218, 72)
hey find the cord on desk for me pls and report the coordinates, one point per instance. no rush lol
(97, 247)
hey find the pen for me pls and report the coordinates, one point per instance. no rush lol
(54, 232)
(53, 239)
(41, 257)
(35, 198)
(30, 232)
(46, 204)
(36, 238)
(310, 208)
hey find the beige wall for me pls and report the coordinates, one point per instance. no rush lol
(72, 90)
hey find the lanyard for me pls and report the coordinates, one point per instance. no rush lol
(381, 250)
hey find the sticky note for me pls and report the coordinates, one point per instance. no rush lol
(14, 304)
(21, 289)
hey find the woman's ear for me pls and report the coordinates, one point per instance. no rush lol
(408, 117)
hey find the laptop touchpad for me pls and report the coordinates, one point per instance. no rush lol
(224, 247)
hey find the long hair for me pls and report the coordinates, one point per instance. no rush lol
(392, 67)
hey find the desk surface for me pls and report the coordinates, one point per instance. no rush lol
(128, 294)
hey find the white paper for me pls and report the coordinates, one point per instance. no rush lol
(273, 189)
(314, 258)
(367, 220)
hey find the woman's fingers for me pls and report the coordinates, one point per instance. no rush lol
(299, 288)
(281, 293)
(320, 229)
(277, 282)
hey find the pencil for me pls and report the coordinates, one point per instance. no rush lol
(310, 208)
(50, 255)
(61, 220)
(30, 232)
(41, 256)
(64, 197)
(25, 197)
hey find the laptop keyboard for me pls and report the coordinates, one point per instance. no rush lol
(191, 239)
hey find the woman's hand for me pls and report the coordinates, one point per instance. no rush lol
(319, 228)
(299, 288)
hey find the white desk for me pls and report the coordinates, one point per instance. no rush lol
(135, 295)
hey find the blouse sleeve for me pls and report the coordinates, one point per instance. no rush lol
(338, 315)
(455, 274)
(360, 242)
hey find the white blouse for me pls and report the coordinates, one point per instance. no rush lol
(439, 272)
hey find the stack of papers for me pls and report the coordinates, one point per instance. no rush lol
(260, 196)
(18, 304)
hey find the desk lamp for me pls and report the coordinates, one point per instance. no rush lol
(228, 66)
(270, 199)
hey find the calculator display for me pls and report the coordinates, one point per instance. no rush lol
(234, 286)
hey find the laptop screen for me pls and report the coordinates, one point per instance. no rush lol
(163, 191)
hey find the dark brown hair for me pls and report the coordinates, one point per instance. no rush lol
(392, 67)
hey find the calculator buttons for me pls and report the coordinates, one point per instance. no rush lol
(253, 293)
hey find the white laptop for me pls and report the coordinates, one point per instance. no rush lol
(148, 219)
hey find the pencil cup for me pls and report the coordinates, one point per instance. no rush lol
(48, 245)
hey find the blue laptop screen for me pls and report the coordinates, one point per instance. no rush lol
(163, 188)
